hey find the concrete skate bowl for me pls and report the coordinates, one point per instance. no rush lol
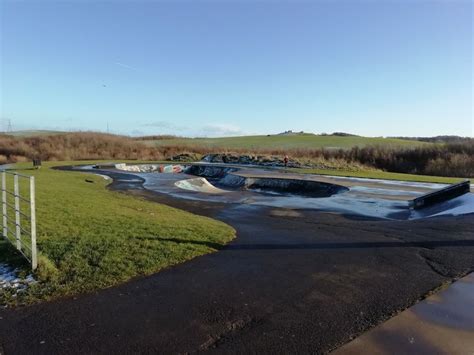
(223, 179)
(294, 187)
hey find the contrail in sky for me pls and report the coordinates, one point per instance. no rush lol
(125, 66)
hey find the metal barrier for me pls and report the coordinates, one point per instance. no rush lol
(441, 195)
(19, 214)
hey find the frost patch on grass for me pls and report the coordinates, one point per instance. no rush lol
(10, 280)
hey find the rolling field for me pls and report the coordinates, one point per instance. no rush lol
(91, 238)
(300, 141)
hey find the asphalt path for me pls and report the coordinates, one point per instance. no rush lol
(291, 282)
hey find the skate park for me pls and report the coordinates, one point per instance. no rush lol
(277, 187)
(303, 274)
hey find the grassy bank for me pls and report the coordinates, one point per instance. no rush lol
(378, 174)
(91, 238)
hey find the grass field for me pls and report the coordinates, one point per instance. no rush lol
(300, 141)
(378, 174)
(91, 238)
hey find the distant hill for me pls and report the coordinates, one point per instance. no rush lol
(340, 134)
(156, 137)
(284, 141)
(301, 133)
(291, 133)
(438, 139)
(31, 133)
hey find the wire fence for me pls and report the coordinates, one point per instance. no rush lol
(19, 214)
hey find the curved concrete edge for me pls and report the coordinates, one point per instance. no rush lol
(283, 186)
(294, 186)
(199, 185)
(229, 176)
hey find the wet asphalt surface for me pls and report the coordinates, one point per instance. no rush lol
(442, 323)
(291, 282)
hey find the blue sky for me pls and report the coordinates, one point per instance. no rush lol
(215, 68)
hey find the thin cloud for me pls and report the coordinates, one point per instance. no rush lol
(163, 125)
(137, 132)
(220, 130)
(125, 66)
(206, 130)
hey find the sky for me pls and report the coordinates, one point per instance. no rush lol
(223, 68)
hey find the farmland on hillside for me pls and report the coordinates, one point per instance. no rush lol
(302, 141)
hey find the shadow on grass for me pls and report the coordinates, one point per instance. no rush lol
(10, 256)
(325, 246)
(355, 245)
(20, 169)
(208, 244)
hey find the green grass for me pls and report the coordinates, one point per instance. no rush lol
(90, 237)
(378, 174)
(301, 141)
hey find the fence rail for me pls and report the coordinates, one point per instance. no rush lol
(18, 220)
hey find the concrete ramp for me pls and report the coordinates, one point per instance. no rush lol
(199, 185)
